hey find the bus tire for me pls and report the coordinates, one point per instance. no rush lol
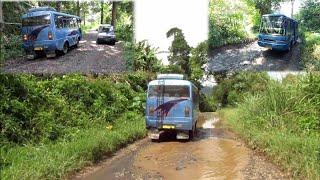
(191, 134)
(78, 41)
(65, 48)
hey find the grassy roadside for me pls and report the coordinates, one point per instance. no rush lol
(56, 160)
(297, 153)
(280, 119)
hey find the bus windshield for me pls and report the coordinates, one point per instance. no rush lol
(169, 91)
(36, 20)
(274, 25)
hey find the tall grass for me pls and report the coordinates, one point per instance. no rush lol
(284, 122)
(310, 52)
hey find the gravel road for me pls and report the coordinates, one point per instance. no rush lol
(89, 57)
(215, 153)
(252, 57)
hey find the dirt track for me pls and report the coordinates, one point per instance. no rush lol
(215, 153)
(88, 58)
(252, 57)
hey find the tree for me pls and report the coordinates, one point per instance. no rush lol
(310, 15)
(101, 12)
(78, 8)
(179, 50)
(58, 6)
(114, 13)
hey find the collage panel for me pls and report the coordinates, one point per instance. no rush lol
(61, 37)
(159, 89)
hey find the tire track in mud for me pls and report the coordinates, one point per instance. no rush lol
(215, 153)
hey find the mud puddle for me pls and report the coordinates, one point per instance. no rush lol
(213, 154)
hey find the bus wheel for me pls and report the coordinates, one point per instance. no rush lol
(77, 44)
(65, 48)
(191, 134)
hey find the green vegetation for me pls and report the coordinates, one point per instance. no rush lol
(280, 119)
(53, 125)
(310, 34)
(310, 52)
(142, 57)
(231, 22)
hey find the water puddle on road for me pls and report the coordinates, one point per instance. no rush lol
(212, 155)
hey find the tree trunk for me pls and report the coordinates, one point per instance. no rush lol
(1, 22)
(292, 3)
(101, 20)
(78, 8)
(58, 6)
(84, 18)
(1, 14)
(114, 14)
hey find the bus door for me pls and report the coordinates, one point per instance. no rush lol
(61, 30)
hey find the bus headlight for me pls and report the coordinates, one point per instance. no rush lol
(151, 111)
(25, 37)
(186, 111)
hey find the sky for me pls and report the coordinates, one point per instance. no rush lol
(153, 18)
(285, 7)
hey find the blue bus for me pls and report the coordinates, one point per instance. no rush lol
(278, 32)
(46, 30)
(172, 105)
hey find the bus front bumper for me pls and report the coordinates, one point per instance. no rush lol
(48, 47)
(170, 123)
(274, 46)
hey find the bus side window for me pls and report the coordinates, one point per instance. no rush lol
(57, 21)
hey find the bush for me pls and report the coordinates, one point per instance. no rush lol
(231, 22)
(41, 109)
(231, 89)
(142, 57)
(311, 51)
(11, 47)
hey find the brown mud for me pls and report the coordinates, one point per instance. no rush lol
(215, 153)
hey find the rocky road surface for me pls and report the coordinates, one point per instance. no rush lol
(215, 153)
(252, 57)
(89, 57)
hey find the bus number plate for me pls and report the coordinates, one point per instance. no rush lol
(166, 126)
(38, 48)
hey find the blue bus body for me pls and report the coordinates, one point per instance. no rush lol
(172, 105)
(45, 30)
(277, 32)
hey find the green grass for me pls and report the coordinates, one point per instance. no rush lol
(310, 54)
(56, 160)
(283, 122)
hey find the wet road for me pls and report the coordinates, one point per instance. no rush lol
(215, 153)
(88, 58)
(252, 57)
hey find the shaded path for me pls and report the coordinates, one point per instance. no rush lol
(88, 58)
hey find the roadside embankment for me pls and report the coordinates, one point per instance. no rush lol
(54, 125)
(282, 121)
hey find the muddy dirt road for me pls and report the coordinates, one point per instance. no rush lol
(214, 154)
(88, 58)
(252, 57)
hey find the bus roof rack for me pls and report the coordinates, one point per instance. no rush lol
(42, 9)
(170, 76)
